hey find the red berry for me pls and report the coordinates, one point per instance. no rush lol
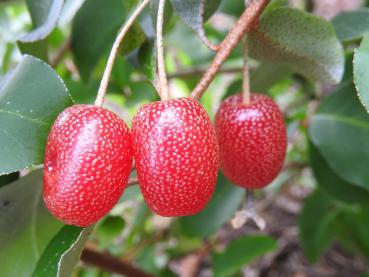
(252, 140)
(87, 163)
(176, 156)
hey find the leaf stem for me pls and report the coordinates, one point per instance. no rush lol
(245, 23)
(246, 74)
(114, 51)
(163, 80)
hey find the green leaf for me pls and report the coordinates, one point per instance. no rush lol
(226, 200)
(37, 49)
(232, 7)
(352, 25)
(361, 68)
(234, 88)
(240, 252)
(8, 178)
(145, 59)
(195, 12)
(267, 75)
(45, 15)
(63, 252)
(134, 38)
(351, 227)
(236, 8)
(316, 224)
(340, 130)
(94, 29)
(82, 93)
(334, 185)
(305, 42)
(30, 99)
(26, 226)
(109, 229)
(262, 78)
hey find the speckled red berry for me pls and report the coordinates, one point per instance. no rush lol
(252, 140)
(87, 163)
(176, 156)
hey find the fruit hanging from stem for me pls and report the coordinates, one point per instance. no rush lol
(252, 140)
(87, 163)
(176, 156)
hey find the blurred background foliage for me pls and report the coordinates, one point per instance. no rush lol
(53, 54)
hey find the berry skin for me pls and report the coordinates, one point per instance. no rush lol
(176, 156)
(87, 163)
(252, 140)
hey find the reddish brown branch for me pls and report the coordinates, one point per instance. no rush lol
(244, 24)
(112, 264)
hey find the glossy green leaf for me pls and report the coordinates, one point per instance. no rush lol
(195, 12)
(134, 38)
(45, 15)
(262, 78)
(316, 224)
(352, 25)
(26, 226)
(340, 130)
(361, 71)
(63, 252)
(240, 252)
(234, 88)
(236, 8)
(109, 228)
(333, 184)
(82, 93)
(37, 49)
(267, 75)
(8, 178)
(305, 42)
(145, 59)
(30, 99)
(224, 203)
(94, 29)
(232, 7)
(351, 227)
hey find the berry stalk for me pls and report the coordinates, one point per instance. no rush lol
(244, 24)
(114, 52)
(163, 80)
(246, 74)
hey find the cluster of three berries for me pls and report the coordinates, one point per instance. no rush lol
(177, 152)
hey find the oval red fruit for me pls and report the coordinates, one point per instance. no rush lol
(176, 156)
(87, 164)
(252, 140)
